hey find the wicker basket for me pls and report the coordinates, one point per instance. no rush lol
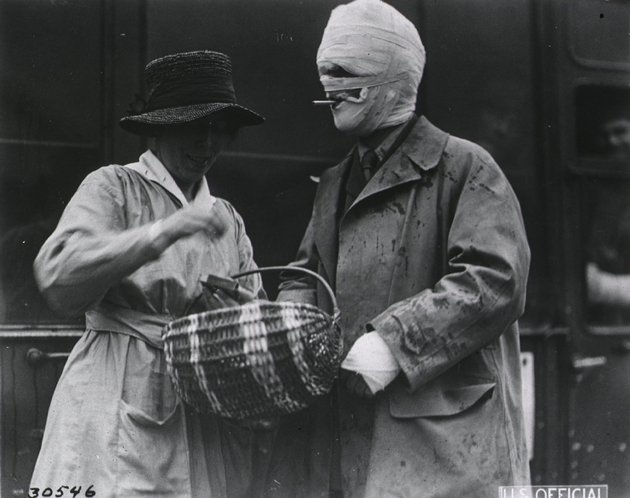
(256, 360)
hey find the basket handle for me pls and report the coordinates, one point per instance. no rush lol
(329, 290)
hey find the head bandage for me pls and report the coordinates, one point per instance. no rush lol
(375, 42)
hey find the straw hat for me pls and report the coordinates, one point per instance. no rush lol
(184, 87)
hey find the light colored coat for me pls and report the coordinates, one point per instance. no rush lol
(115, 422)
(433, 255)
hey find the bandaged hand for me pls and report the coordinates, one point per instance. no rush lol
(355, 384)
(371, 357)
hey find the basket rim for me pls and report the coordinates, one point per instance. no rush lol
(252, 304)
(299, 269)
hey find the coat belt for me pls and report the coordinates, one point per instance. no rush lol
(143, 326)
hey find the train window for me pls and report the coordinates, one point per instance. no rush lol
(599, 31)
(603, 121)
(602, 125)
(603, 140)
(50, 132)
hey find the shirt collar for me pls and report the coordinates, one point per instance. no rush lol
(384, 146)
(152, 168)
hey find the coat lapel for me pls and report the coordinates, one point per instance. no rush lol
(421, 151)
(326, 214)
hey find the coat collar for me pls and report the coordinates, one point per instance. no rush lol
(420, 152)
(152, 168)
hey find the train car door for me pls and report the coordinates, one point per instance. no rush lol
(587, 138)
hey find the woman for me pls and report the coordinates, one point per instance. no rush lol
(129, 251)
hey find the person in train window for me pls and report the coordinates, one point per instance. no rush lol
(613, 137)
(129, 252)
(608, 267)
(429, 260)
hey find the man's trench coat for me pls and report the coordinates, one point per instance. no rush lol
(433, 256)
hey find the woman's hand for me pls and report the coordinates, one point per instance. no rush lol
(221, 298)
(185, 222)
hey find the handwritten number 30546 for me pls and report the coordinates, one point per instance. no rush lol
(61, 491)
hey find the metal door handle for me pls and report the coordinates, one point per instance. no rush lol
(36, 356)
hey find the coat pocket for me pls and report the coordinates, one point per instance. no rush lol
(142, 418)
(440, 397)
(152, 453)
(152, 450)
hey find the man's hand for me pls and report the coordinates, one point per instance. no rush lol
(373, 361)
(355, 383)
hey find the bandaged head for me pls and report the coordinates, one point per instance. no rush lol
(382, 51)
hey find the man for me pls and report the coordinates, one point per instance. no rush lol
(428, 257)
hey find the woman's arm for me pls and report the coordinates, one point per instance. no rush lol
(92, 247)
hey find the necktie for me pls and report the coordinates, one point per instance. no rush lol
(368, 162)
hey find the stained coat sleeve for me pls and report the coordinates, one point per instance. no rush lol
(91, 249)
(483, 291)
(297, 287)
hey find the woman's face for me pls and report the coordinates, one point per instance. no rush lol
(188, 150)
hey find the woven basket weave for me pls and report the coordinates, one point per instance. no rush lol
(256, 360)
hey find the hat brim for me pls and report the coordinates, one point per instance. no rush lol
(148, 123)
